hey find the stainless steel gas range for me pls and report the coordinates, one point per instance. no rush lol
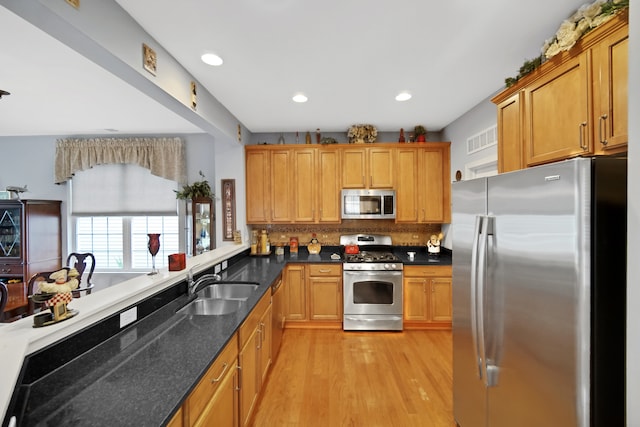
(372, 282)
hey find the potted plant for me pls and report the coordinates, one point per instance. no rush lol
(420, 133)
(197, 189)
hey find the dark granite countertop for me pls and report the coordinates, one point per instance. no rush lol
(142, 375)
(421, 257)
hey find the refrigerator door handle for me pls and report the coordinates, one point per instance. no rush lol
(474, 296)
(491, 370)
(481, 286)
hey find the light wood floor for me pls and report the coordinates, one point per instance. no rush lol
(336, 378)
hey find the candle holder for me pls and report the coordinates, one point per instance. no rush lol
(154, 247)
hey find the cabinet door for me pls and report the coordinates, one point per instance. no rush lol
(176, 421)
(407, 185)
(281, 189)
(380, 167)
(304, 185)
(258, 186)
(510, 134)
(611, 58)
(325, 294)
(264, 355)
(295, 297)
(440, 297)
(354, 170)
(415, 299)
(436, 185)
(328, 186)
(557, 113)
(222, 409)
(249, 374)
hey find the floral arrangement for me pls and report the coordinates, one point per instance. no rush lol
(585, 19)
(362, 133)
(197, 189)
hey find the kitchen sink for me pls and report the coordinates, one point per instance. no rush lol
(211, 307)
(227, 291)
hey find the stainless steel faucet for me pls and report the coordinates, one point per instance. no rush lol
(193, 286)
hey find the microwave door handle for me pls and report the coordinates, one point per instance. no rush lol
(474, 294)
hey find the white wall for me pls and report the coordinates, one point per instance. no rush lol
(633, 220)
(229, 164)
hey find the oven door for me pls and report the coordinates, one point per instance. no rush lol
(372, 292)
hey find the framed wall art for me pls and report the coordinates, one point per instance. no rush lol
(149, 59)
(228, 208)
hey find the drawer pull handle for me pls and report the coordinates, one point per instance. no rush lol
(324, 271)
(224, 369)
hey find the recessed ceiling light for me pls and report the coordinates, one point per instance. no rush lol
(211, 59)
(403, 96)
(299, 97)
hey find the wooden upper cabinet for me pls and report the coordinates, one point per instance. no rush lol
(510, 134)
(407, 186)
(367, 167)
(611, 69)
(435, 184)
(423, 185)
(258, 172)
(281, 185)
(304, 181)
(557, 113)
(328, 182)
(575, 104)
(301, 184)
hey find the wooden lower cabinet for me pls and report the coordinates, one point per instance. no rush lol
(215, 398)
(176, 421)
(254, 357)
(295, 294)
(325, 292)
(427, 297)
(313, 295)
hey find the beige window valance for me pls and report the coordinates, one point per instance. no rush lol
(164, 157)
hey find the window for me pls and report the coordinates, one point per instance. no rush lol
(120, 242)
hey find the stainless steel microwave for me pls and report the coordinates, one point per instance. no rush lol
(368, 204)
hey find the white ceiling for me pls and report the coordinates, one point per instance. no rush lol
(350, 57)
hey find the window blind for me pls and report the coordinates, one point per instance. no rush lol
(122, 189)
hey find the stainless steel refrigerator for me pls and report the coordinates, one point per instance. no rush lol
(539, 291)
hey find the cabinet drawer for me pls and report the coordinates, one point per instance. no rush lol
(251, 322)
(11, 269)
(427, 271)
(325, 270)
(210, 383)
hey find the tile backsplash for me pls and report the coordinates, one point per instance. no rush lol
(329, 234)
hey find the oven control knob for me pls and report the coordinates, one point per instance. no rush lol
(386, 266)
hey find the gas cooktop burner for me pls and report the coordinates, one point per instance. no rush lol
(368, 256)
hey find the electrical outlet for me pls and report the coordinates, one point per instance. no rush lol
(225, 264)
(415, 237)
(128, 317)
(283, 237)
(217, 269)
(325, 236)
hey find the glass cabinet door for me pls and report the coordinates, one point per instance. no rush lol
(200, 226)
(10, 232)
